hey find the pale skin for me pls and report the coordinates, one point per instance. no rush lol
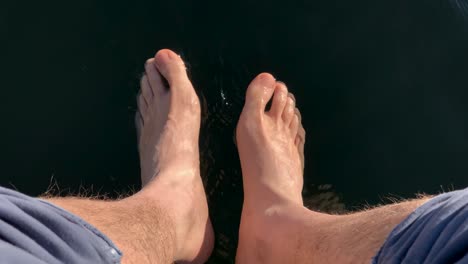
(167, 221)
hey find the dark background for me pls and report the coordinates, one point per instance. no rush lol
(382, 86)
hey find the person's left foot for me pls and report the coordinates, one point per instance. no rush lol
(168, 125)
(271, 150)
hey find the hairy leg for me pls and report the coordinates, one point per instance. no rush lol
(141, 228)
(168, 219)
(275, 226)
(296, 234)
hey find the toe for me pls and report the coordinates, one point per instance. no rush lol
(288, 113)
(298, 113)
(300, 141)
(260, 91)
(292, 97)
(154, 77)
(297, 141)
(138, 125)
(294, 126)
(172, 68)
(279, 100)
(300, 136)
(146, 91)
(142, 106)
(300, 148)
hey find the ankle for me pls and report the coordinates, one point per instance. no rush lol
(178, 196)
(269, 235)
(281, 234)
(154, 234)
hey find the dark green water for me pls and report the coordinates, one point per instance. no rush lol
(382, 86)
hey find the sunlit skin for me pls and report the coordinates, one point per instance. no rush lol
(168, 221)
(271, 147)
(168, 125)
(275, 225)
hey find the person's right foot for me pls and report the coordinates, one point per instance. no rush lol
(271, 152)
(168, 125)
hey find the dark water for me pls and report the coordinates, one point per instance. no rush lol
(382, 86)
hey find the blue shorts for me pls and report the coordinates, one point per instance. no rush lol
(35, 231)
(436, 232)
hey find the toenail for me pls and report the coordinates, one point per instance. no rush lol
(172, 55)
(148, 61)
(292, 96)
(266, 75)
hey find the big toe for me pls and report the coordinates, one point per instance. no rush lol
(172, 68)
(260, 91)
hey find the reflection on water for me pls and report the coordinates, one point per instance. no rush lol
(322, 198)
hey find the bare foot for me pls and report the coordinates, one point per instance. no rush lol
(168, 125)
(271, 148)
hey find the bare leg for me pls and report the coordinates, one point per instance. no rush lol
(168, 219)
(275, 226)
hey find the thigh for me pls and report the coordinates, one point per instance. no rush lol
(35, 231)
